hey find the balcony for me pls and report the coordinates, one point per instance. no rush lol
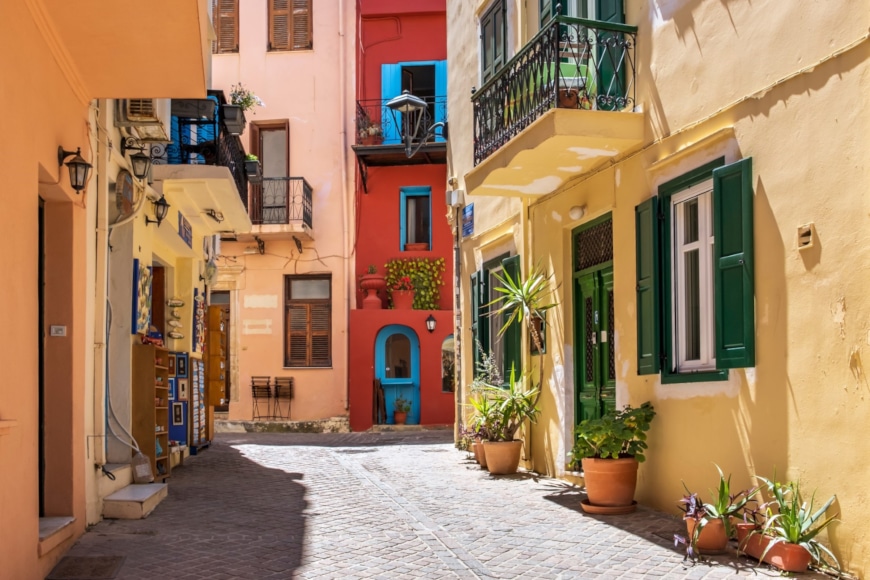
(559, 108)
(206, 161)
(281, 206)
(378, 139)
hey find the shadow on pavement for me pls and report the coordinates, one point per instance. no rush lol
(364, 439)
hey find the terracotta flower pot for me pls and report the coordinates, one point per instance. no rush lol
(479, 453)
(712, 539)
(568, 99)
(372, 284)
(786, 557)
(369, 140)
(417, 247)
(399, 417)
(403, 299)
(502, 457)
(610, 482)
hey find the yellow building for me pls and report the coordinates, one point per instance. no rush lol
(692, 175)
(59, 63)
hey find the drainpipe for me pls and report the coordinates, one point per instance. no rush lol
(345, 219)
(457, 318)
(100, 289)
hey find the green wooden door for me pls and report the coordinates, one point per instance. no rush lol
(595, 357)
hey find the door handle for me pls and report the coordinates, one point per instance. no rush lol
(594, 338)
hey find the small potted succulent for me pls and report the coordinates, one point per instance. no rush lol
(253, 168)
(402, 408)
(233, 114)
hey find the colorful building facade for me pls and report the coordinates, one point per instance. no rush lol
(690, 177)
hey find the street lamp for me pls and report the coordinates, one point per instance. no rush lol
(140, 162)
(409, 112)
(430, 324)
(78, 167)
(161, 207)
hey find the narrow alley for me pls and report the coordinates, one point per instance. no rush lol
(381, 505)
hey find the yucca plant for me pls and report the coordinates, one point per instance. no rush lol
(510, 407)
(795, 521)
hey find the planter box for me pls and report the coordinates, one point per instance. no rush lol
(234, 119)
(254, 170)
(786, 557)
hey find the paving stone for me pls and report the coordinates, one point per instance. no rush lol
(383, 505)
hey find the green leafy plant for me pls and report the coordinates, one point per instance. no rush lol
(614, 435)
(795, 521)
(251, 157)
(402, 405)
(425, 275)
(510, 408)
(372, 269)
(245, 98)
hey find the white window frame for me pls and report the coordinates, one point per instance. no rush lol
(703, 192)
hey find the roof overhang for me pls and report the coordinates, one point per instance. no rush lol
(560, 145)
(123, 49)
(200, 189)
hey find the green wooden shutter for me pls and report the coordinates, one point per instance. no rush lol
(609, 11)
(513, 334)
(475, 319)
(733, 265)
(648, 296)
(611, 60)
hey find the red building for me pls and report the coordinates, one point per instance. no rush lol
(400, 215)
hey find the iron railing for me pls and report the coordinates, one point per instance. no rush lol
(202, 141)
(572, 63)
(281, 200)
(375, 124)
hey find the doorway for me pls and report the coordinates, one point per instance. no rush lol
(595, 350)
(397, 366)
(41, 374)
(222, 300)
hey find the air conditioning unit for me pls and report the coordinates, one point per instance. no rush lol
(455, 198)
(147, 119)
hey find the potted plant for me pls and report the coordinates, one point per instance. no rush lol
(402, 408)
(709, 524)
(787, 539)
(426, 276)
(233, 114)
(610, 449)
(371, 134)
(372, 283)
(402, 293)
(511, 407)
(478, 426)
(253, 168)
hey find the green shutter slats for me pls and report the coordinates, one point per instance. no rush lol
(734, 282)
(475, 319)
(648, 294)
(513, 333)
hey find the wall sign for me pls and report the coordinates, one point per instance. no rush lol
(468, 220)
(185, 232)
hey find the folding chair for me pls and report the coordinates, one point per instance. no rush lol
(283, 391)
(261, 388)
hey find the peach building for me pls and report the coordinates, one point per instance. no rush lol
(287, 285)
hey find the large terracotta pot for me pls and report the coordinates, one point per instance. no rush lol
(372, 284)
(712, 539)
(786, 557)
(502, 457)
(403, 299)
(610, 482)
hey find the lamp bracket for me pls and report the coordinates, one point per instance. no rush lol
(128, 143)
(62, 154)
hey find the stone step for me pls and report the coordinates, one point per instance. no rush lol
(135, 501)
(123, 473)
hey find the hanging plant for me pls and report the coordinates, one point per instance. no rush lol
(426, 276)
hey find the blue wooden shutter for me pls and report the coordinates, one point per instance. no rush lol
(440, 96)
(513, 334)
(733, 265)
(391, 86)
(648, 296)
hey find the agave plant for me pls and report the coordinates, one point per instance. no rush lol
(726, 504)
(796, 522)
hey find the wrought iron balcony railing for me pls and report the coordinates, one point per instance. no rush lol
(375, 124)
(572, 63)
(205, 140)
(281, 200)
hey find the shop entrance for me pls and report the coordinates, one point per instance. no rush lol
(222, 300)
(594, 351)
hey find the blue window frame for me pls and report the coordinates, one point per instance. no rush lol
(415, 216)
(392, 84)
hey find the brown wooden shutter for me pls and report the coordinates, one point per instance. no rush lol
(301, 24)
(279, 24)
(226, 25)
(297, 335)
(320, 325)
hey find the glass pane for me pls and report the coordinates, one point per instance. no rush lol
(448, 365)
(397, 354)
(309, 289)
(273, 154)
(499, 33)
(693, 306)
(690, 221)
(417, 219)
(487, 44)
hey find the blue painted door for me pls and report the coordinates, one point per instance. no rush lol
(397, 365)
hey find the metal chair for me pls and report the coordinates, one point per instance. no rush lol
(261, 388)
(283, 391)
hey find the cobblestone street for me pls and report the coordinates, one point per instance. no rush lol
(389, 505)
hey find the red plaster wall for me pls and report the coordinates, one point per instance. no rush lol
(436, 407)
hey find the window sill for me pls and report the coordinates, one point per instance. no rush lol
(698, 377)
(329, 368)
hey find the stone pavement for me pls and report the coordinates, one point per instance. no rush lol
(382, 505)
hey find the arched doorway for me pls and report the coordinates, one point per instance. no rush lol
(397, 365)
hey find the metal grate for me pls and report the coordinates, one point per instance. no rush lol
(594, 246)
(611, 371)
(590, 341)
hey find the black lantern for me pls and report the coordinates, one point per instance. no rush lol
(161, 207)
(413, 113)
(139, 162)
(430, 324)
(78, 167)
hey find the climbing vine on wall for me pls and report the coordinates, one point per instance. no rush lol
(427, 277)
